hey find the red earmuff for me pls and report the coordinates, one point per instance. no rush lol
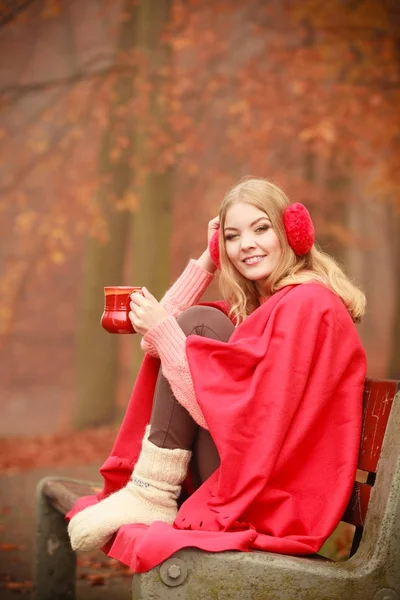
(299, 228)
(214, 248)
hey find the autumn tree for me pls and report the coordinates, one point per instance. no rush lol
(97, 352)
(205, 92)
(143, 205)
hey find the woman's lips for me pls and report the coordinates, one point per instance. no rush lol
(253, 260)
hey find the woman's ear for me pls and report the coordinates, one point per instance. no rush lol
(213, 247)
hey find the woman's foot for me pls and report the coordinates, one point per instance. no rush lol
(150, 496)
(91, 528)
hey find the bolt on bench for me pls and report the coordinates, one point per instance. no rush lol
(372, 572)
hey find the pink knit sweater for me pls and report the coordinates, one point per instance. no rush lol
(167, 340)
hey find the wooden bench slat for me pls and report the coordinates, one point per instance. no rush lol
(377, 404)
(378, 399)
(64, 494)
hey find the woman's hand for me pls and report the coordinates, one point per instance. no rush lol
(146, 312)
(213, 226)
(205, 261)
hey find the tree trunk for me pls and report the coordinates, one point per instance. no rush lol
(151, 226)
(97, 351)
(339, 186)
(394, 366)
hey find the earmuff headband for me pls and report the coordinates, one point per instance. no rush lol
(299, 230)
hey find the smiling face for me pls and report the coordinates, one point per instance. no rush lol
(251, 244)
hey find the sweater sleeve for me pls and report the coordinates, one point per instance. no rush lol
(169, 341)
(187, 289)
(184, 293)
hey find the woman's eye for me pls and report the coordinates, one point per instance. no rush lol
(230, 236)
(262, 228)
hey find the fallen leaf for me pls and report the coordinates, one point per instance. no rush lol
(18, 585)
(96, 579)
(8, 547)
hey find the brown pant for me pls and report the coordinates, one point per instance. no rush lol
(171, 424)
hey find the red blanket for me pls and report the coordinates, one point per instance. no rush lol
(283, 402)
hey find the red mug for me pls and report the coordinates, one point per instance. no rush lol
(115, 318)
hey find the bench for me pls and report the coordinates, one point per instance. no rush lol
(371, 573)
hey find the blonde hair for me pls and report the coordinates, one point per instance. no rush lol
(316, 266)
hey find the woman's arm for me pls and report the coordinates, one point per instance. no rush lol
(186, 291)
(190, 286)
(195, 279)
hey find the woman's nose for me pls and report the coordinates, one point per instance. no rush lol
(247, 241)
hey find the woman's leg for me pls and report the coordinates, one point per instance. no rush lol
(171, 424)
(152, 492)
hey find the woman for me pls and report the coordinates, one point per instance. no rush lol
(260, 397)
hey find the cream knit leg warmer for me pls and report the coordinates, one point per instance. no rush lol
(149, 496)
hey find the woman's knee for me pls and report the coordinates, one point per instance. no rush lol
(206, 321)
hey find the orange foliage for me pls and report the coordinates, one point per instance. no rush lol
(270, 83)
(89, 446)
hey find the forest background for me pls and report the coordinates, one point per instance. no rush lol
(122, 124)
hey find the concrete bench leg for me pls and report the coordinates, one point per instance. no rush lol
(55, 561)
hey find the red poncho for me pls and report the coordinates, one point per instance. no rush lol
(283, 402)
